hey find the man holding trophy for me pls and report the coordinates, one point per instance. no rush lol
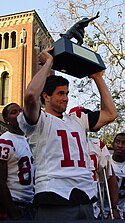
(63, 180)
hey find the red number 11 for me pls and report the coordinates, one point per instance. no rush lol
(67, 162)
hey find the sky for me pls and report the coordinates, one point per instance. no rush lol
(14, 6)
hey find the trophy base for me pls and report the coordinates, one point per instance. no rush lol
(77, 61)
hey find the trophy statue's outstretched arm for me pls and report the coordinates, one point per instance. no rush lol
(93, 18)
(77, 30)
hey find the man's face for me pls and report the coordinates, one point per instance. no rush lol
(13, 112)
(59, 99)
(119, 147)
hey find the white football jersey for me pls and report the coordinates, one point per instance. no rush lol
(15, 150)
(96, 149)
(119, 169)
(60, 153)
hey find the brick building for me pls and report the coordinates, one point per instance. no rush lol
(22, 37)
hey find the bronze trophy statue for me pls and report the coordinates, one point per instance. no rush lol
(72, 58)
(77, 30)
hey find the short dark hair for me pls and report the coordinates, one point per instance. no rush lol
(5, 110)
(51, 83)
(119, 134)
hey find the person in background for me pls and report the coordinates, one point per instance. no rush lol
(64, 187)
(118, 163)
(100, 159)
(16, 169)
(100, 162)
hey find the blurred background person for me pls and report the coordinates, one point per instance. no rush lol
(16, 169)
(118, 162)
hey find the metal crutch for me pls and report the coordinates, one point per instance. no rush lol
(108, 194)
(101, 199)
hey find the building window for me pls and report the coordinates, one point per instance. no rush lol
(6, 40)
(40, 46)
(4, 88)
(13, 39)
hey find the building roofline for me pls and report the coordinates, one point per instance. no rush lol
(37, 17)
(16, 13)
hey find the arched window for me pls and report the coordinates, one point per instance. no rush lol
(13, 39)
(4, 88)
(40, 46)
(0, 41)
(6, 40)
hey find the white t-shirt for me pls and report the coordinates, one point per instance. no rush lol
(15, 150)
(60, 153)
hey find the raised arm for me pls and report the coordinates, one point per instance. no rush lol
(108, 111)
(93, 18)
(35, 87)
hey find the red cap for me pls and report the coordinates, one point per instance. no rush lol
(77, 108)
